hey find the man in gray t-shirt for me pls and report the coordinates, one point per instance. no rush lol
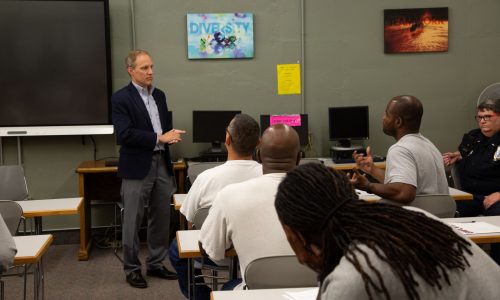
(414, 165)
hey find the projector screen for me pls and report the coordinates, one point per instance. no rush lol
(55, 77)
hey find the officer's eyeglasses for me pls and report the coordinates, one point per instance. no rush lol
(485, 118)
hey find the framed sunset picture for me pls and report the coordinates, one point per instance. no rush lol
(416, 30)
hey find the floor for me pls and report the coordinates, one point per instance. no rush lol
(101, 277)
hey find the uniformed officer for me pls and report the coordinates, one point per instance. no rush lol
(478, 161)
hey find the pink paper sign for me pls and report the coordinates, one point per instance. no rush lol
(290, 120)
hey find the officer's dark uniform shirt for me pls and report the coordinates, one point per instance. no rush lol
(478, 169)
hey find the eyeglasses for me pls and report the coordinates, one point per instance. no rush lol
(485, 118)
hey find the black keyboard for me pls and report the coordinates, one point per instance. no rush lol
(343, 160)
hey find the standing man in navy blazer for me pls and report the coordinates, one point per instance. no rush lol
(144, 131)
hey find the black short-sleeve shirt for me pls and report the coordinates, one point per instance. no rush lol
(478, 169)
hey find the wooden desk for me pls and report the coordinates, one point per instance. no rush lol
(460, 195)
(30, 250)
(328, 162)
(350, 166)
(99, 182)
(454, 193)
(483, 238)
(268, 294)
(56, 207)
(187, 242)
(178, 199)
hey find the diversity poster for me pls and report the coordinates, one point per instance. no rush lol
(224, 35)
(416, 30)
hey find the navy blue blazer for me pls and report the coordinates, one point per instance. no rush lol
(134, 131)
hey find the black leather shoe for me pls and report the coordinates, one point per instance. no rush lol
(136, 280)
(162, 273)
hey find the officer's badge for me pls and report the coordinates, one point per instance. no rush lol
(496, 156)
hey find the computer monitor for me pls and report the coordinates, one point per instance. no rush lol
(348, 123)
(302, 130)
(209, 126)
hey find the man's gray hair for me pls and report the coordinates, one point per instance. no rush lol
(132, 57)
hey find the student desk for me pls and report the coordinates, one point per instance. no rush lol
(99, 182)
(460, 195)
(268, 294)
(456, 194)
(349, 166)
(30, 250)
(187, 243)
(178, 199)
(56, 207)
(483, 238)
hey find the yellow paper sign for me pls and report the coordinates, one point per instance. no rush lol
(288, 79)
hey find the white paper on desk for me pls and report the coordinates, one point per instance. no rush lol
(475, 227)
(362, 193)
(302, 295)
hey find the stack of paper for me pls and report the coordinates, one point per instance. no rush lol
(475, 227)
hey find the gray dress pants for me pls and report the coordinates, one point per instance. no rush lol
(153, 191)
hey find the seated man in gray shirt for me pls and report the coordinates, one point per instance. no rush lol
(414, 165)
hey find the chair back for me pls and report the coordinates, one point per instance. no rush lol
(278, 272)
(199, 217)
(13, 183)
(195, 169)
(455, 176)
(11, 213)
(442, 206)
(304, 161)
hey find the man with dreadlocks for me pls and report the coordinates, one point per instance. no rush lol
(366, 250)
(414, 165)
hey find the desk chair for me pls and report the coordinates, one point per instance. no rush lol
(13, 183)
(199, 217)
(13, 186)
(274, 272)
(118, 213)
(196, 168)
(455, 176)
(118, 223)
(440, 205)
(304, 161)
(12, 214)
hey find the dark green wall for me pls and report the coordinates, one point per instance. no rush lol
(344, 65)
